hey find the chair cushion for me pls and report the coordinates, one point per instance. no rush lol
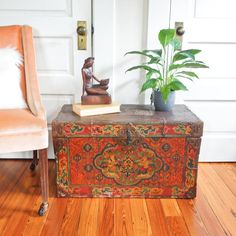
(19, 121)
(20, 130)
(11, 95)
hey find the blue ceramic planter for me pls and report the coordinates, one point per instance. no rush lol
(160, 105)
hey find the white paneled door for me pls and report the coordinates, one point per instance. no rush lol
(54, 25)
(209, 26)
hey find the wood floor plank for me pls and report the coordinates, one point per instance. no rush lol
(88, 225)
(157, 217)
(192, 217)
(106, 216)
(141, 223)
(173, 217)
(20, 215)
(220, 198)
(55, 217)
(227, 174)
(147, 217)
(2, 168)
(19, 203)
(219, 185)
(176, 226)
(207, 215)
(170, 207)
(11, 172)
(72, 217)
(212, 212)
(123, 218)
(35, 224)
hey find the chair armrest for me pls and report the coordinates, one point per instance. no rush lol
(32, 88)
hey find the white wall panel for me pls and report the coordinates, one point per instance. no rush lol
(48, 82)
(215, 9)
(53, 104)
(218, 148)
(130, 23)
(121, 29)
(218, 116)
(206, 89)
(54, 55)
(42, 7)
(220, 57)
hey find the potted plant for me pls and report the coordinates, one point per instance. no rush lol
(166, 69)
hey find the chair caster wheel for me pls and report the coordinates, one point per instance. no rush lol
(43, 209)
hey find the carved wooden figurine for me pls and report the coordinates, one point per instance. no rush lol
(95, 93)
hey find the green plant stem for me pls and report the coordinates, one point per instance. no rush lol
(167, 65)
(163, 73)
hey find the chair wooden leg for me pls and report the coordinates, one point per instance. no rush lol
(43, 164)
(35, 162)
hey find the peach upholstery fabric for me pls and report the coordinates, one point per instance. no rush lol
(26, 130)
(33, 94)
(23, 129)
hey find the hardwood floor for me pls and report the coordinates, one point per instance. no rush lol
(213, 212)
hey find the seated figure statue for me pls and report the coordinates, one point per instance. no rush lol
(96, 93)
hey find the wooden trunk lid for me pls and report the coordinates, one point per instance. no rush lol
(140, 120)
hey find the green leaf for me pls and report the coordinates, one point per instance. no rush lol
(156, 52)
(166, 36)
(176, 85)
(148, 68)
(184, 77)
(194, 64)
(175, 66)
(154, 60)
(183, 55)
(176, 44)
(140, 53)
(191, 51)
(165, 92)
(151, 83)
(188, 73)
(149, 74)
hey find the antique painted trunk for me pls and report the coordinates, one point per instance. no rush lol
(136, 153)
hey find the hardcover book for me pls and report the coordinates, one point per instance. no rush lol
(92, 110)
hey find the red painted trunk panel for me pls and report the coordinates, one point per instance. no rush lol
(126, 160)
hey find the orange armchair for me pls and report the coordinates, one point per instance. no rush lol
(26, 129)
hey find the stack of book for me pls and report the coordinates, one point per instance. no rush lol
(93, 110)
